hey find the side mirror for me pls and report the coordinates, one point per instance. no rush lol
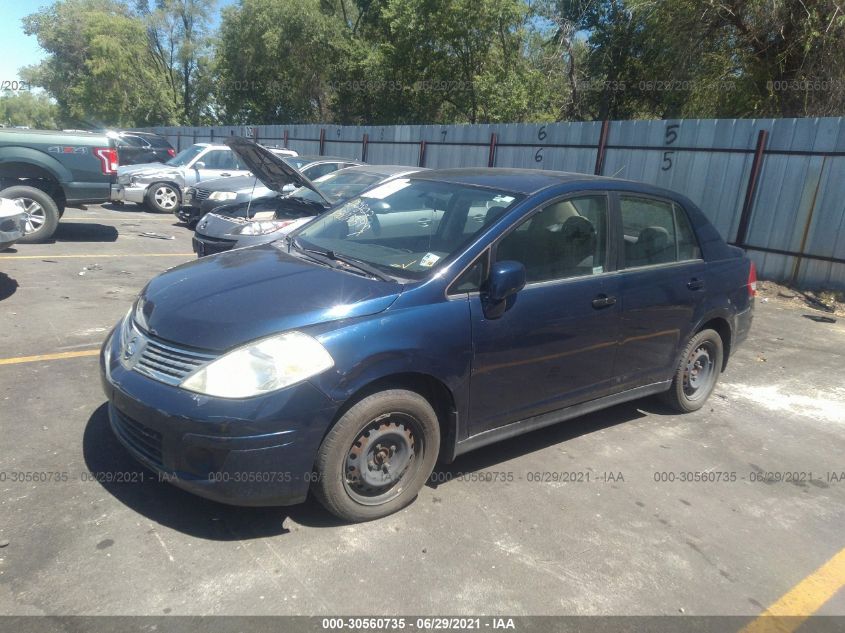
(199, 165)
(505, 280)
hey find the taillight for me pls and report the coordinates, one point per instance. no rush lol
(108, 159)
(171, 152)
(752, 281)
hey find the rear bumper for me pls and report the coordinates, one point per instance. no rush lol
(742, 324)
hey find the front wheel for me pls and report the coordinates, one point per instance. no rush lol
(378, 456)
(163, 197)
(697, 372)
(42, 212)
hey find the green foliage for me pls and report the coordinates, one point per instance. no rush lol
(146, 62)
(99, 68)
(28, 109)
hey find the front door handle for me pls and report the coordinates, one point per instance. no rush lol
(695, 284)
(603, 301)
(225, 174)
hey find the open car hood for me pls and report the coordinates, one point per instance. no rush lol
(269, 168)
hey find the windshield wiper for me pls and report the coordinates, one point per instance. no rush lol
(363, 266)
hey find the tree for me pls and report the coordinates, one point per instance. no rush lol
(28, 109)
(99, 68)
(453, 60)
(181, 47)
(275, 59)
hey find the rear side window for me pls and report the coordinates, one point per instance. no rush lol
(648, 227)
(656, 232)
(687, 243)
(564, 239)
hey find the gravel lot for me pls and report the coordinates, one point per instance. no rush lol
(593, 516)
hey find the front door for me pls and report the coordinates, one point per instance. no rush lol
(555, 345)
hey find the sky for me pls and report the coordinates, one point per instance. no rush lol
(20, 49)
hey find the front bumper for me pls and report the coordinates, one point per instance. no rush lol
(188, 214)
(204, 245)
(12, 228)
(128, 193)
(252, 451)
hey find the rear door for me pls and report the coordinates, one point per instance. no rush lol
(662, 282)
(555, 345)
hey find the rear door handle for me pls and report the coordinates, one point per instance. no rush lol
(603, 301)
(695, 284)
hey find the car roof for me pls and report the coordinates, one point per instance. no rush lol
(332, 159)
(383, 170)
(530, 181)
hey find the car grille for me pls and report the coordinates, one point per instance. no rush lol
(201, 194)
(140, 438)
(165, 362)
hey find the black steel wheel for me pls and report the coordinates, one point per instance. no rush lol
(697, 372)
(378, 456)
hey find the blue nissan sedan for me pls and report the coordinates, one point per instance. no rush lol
(429, 316)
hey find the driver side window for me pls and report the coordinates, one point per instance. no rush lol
(567, 238)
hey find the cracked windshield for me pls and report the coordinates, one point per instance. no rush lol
(407, 227)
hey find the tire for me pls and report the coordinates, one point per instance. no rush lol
(697, 372)
(163, 197)
(395, 428)
(43, 213)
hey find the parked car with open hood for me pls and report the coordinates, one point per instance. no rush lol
(270, 218)
(212, 194)
(429, 316)
(160, 185)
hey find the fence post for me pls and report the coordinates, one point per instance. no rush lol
(751, 189)
(322, 140)
(255, 133)
(491, 156)
(421, 161)
(364, 141)
(602, 148)
(285, 144)
(212, 135)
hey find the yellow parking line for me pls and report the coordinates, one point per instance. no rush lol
(40, 357)
(803, 600)
(48, 256)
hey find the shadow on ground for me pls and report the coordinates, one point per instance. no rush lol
(141, 490)
(8, 286)
(70, 231)
(163, 503)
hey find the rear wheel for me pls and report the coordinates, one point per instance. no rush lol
(42, 213)
(378, 456)
(162, 197)
(697, 372)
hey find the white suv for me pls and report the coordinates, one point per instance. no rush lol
(160, 185)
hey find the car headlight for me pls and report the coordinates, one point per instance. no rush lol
(261, 228)
(266, 365)
(223, 195)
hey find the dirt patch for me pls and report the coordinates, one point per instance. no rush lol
(827, 302)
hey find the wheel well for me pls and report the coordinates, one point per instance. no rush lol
(723, 329)
(438, 395)
(12, 174)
